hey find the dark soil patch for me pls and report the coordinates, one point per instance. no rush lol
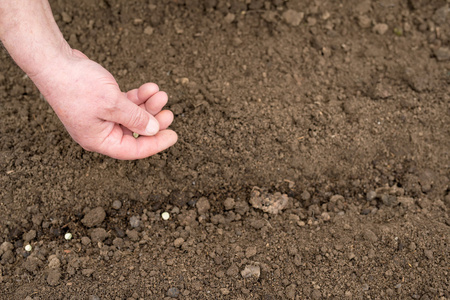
(348, 122)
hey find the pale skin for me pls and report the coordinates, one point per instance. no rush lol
(84, 95)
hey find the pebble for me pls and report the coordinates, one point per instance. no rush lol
(229, 203)
(85, 240)
(371, 195)
(94, 217)
(87, 272)
(66, 17)
(429, 254)
(133, 235)
(233, 270)
(173, 292)
(380, 28)
(305, 196)
(250, 251)
(251, 271)
(229, 18)
(116, 204)
(224, 291)
(370, 236)
(292, 17)
(290, 291)
(203, 205)
(98, 235)
(30, 235)
(135, 221)
(389, 200)
(364, 21)
(148, 30)
(93, 297)
(316, 294)
(442, 53)
(178, 242)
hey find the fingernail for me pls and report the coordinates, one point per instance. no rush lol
(152, 127)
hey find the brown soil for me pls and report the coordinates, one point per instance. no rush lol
(351, 124)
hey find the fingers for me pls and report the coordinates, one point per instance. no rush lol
(129, 148)
(148, 95)
(145, 91)
(134, 118)
(165, 118)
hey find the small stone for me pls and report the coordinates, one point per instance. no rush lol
(66, 17)
(233, 270)
(87, 272)
(442, 53)
(364, 21)
(135, 221)
(429, 254)
(250, 251)
(370, 236)
(380, 28)
(389, 200)
(149, 30)
(116, 204)
(53, 277)
(237, 42)
(228, 203)
(93, 297)
(290, 291)
(293, 17)
(98, 235)
(251, 271)
(365, 287)
(224, 291)
(94, 217)
(138, 21)
(203, 205)
(311, 21)
(371, 195)
(325, 216)
(30, 235)
(305, 196)
(133, 235)
(316, 294)
(173, 292)
(229, 18)
(85, 240)
(178, 242)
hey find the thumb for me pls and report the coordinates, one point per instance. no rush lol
(135, 118)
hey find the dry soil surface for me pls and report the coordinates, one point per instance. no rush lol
(313, 159)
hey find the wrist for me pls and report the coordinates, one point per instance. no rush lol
(30, 34)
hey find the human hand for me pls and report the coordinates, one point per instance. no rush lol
(100, 117)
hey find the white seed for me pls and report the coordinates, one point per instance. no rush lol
(68, 236)
(135, 135)
(28, 248)
(165, 216)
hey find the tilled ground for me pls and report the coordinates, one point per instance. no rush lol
(334, 116)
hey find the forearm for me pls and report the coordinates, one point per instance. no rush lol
(30, 34)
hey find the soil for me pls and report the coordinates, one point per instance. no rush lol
(313, 159)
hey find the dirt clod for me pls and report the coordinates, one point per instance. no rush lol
(94, 217)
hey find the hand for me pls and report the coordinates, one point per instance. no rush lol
(101, 118)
